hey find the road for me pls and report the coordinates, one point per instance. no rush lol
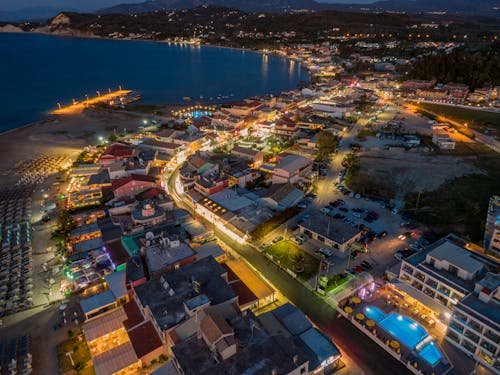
(363, 355)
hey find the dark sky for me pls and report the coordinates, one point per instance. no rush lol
(97, 4)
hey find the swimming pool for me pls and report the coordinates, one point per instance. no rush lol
(430, 353)
(404, 329)
(407, 331)
(374, 313)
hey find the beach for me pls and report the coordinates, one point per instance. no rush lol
(66, 135)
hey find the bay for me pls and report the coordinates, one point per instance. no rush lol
(38, 71)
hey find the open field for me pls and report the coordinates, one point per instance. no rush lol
(291, 256)
(459, 205)
(483, 121)
(394, 174)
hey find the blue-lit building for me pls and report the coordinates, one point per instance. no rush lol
(491, 239)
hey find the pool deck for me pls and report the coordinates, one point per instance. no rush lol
(382, 337)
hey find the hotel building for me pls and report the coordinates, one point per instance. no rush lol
(491, 239)
(466, 287)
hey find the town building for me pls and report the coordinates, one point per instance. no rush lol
(282, 196)
(256, 157)
(491, 238)
(443, 140)
(333, 233)
(132, 185)
(292, 169)
(461, 288)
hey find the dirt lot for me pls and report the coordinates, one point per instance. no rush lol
(411, 171)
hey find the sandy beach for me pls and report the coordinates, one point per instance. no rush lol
(66, 135)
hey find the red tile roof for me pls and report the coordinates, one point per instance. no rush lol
(134, 177)
(134, 316)
(144, 339)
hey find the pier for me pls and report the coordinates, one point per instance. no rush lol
(78, 107)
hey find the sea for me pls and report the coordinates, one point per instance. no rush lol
(39, 71)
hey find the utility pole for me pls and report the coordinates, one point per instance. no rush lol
(418, 199)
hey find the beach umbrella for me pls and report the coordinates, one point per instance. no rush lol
(356, 300)
(360, 316)
(370, 323)
(348, 309)
(394, 344)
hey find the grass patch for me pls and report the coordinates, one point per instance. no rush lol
(336, 283)
(291, 256)
(80, 354)
(460, 205)
(463, 115)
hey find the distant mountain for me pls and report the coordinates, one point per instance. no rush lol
(270, 6)
(468, 7)
(32, 13)
(465, 7)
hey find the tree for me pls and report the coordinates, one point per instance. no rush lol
(327, 142)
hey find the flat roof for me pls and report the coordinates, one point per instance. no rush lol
(330, 228)
(322, 347)
(231, 199)
(117, 283)
(160, 256)
(209, 249)
(104, 324)
(260, 356)
(482, 311)
(258, 286)
(88, 245)
(292, 318)
(456, 256)
(166, 295)
(115, 359)
(97, 301)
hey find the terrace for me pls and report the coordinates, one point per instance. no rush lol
(385, 318)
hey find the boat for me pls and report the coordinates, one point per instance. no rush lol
(187, 98)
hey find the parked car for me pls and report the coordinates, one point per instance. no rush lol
(302, 205)
(343, 209)
(366, 264)
(382, 234)
(325, 252)
(278, 239)
(297, 240)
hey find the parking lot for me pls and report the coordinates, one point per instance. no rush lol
(382, 226)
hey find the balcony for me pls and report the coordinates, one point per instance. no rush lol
(431, 283)
(471, 336)
(456, 327)
(493, 337)
(444, 291)
(487, 346)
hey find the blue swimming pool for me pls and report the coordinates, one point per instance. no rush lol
(374, 313)
(407, 331)
(430, 353)
(404, 329)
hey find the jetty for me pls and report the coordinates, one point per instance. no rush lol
(78, 106)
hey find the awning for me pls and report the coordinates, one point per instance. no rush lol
(421, 297)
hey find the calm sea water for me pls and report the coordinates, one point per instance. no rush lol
(38, 71)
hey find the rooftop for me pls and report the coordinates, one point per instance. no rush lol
(115, 359)
(332, 229)
(97, 301)
(104, 324)
(291, 163)
(159, 256)
(292, 318)
(165, 296)
(456, 256)
(144, 338)
(320, 346)
(88, 245)
(257, 353)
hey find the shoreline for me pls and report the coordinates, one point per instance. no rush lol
(47, 116)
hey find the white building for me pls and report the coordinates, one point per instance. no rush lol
(463, 282)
